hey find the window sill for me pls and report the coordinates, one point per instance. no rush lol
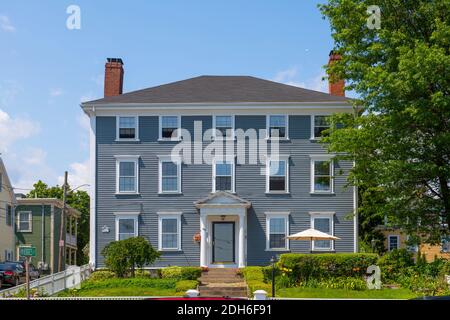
(277, 139)
(277, 192)
(278, 250)
(25, 231)
(127, 140)
(170, 250)
(169, 140)
(323, 193)
(223, 139)
(169, 193)
(323, 250)
(127, 194)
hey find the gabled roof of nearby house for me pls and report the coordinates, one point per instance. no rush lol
(48, 201)
(221, 89)
(221, 198)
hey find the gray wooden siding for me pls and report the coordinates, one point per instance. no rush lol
(196, 184)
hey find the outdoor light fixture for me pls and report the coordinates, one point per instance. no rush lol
(222, 217)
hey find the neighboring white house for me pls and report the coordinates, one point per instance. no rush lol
(7, 204)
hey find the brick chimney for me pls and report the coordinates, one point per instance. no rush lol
(113, 77)
(335, 88)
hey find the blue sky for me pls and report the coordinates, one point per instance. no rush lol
(47, 69)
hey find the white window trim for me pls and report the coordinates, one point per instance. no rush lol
(270, 215)
(389, 241)
(169, 215)
(233, 128)
(136, 129)
(177, 161)
(279, 158)
(329, 215)
(178, 137)
(325, 157)
(225, 159)
(127, 158)
(30, 221)
(313, 122)
(127, 215)
(268, 137)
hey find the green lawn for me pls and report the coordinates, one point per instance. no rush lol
(345, 294)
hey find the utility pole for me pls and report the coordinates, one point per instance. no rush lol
(63, 224)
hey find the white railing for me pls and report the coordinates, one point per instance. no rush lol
(54, 283)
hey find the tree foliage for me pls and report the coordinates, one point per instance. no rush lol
(124, 256)
(78, 199)
(401, 141)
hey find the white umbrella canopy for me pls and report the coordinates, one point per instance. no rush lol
(312, 234)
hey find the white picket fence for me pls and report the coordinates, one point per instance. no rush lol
(54, 283)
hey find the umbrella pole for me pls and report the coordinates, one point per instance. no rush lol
(310, 246)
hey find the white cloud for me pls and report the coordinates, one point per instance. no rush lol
(292, 77)
(56, 92)
(5, 24)
(35, 156)
(78, 175)
(9, 90)
(14, 129)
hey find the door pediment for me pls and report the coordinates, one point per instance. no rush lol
(222, 199)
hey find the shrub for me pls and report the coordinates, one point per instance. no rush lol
(254, 285)
(184, 285)
(253, 273)
(349, 283)
(302, 267)
(125, 255)
(102, 275)
(130, 282)
(393, 263)
(181, 273)
(423, 284)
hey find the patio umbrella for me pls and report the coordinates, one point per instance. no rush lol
(312, 234)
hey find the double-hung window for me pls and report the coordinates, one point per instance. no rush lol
(323, 221)
(127, 128)
(169, 127)
(322, 169)
(319, 123)
(9, 215)
(277, 174)
(127, 174)
(277, 126)
(169, 174)
(169, 225)
(223, 175)
(393, 242)
(224, 127)
(126, 225)
(24, 221)
(445, 244)
(277, 229)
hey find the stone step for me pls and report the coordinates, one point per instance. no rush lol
(206, 281)
(220, 277)
(221, 293)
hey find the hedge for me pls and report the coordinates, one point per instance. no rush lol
(254, 277)
(184, 285)
(301, 267)
(130, 282)
(181, 273)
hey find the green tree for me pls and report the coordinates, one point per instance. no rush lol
(77, 199)
(125, 255)
(401, 141)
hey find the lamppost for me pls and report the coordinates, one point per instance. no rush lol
(272, 260)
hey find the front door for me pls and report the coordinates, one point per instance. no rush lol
(223, 242)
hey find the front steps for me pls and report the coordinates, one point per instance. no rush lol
(222, 282)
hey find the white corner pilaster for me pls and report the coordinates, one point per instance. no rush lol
(203, 244)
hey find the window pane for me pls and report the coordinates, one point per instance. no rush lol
(223, 183)
(169, 184)
(322, 224)
(322, 184)
(126, 226)
(127, 122)
(278, 132)
(322, 168)
(277, 168)
(277, 225)
(24, 225)
(223, 121)
(223, 169)
(169, 169)
(224, 132)
(321, 121)
(169, 122)
(277, 241)
(169, 225)
(168, 132)
(277, 121)
(277, 184)
(123, 236)
(126, 169)
(393, 243)
(125, 133)
(126, 184)
(169, 241)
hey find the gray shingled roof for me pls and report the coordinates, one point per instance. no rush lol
(221, 89)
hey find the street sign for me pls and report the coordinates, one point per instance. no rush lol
(27, 251)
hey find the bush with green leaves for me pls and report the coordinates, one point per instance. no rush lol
(102, 275)
(394, 263)
(254, 277)
(124, 256)
(130, 282)
(349, 283)
(181, 273)
(185, 285)
(302, 267)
